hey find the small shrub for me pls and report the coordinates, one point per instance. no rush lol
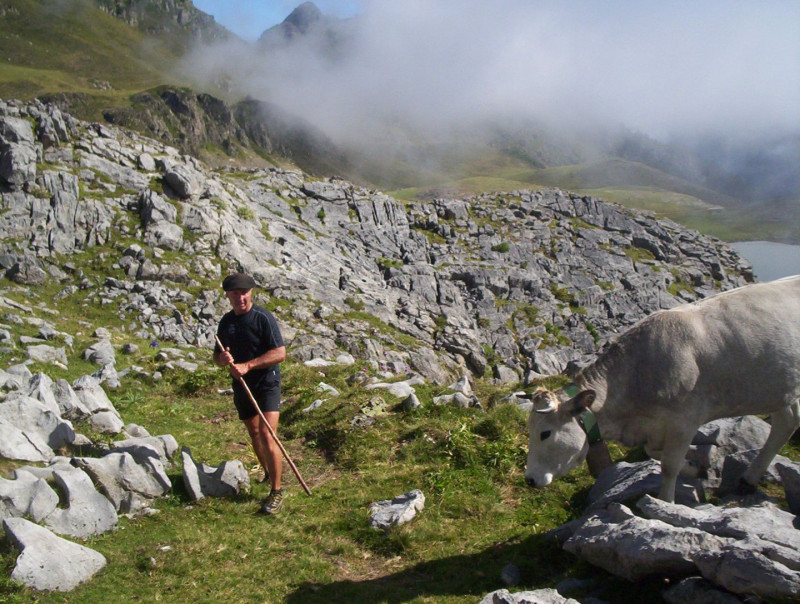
(199, 380)
(502, 248)
(354, 303)
(387, 263)
(245, 213)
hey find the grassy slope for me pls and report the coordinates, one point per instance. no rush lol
(69, 47)
(618, 181)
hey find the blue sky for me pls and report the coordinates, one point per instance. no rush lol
(249, 18)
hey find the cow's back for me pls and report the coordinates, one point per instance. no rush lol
(737, 353)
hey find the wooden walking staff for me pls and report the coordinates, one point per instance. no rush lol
(269, 427)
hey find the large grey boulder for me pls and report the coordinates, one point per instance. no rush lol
(696, 590)
(100, 353)
(184, 180)
(18, 154)
(30, 430)
(87, 513)
(44, 353)
(761, 556)
(103, 416)
(718, 439)
(790, 477)
(631, 547)
(391, 512)
(48, 562)
(750, 573)
(624, 481)
(26, 495)
(160, 448)
(129, 485)
(750, 551)
(200, 480)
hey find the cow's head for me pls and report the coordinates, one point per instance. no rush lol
(556, 443)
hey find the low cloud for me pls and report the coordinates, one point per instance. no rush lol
(664, 68)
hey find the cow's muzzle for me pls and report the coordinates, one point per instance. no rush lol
(532, 482)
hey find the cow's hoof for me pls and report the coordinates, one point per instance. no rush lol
(745, 488)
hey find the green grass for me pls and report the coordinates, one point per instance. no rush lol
(75, 48)
(479, 515)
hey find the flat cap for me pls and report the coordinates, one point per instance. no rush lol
(238, 281)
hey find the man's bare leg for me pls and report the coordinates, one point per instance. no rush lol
(265, 447)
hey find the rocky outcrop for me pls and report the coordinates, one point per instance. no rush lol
(196, 122)
(747, 546)
(173, 17)
(516, 284)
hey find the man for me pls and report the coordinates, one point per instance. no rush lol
(253, 351)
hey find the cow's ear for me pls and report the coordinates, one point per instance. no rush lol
(582, 401)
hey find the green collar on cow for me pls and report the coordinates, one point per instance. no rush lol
(586, 420)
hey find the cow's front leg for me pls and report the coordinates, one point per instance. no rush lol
(673, 458)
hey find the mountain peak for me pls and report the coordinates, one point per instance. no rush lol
(304, 17)
(300, 22)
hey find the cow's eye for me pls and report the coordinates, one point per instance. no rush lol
(545, 435)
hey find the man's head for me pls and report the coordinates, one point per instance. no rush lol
(238, 289)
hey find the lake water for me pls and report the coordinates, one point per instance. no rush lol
(770, 260)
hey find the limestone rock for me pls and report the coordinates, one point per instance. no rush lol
(87, 513)
(200, 480)
(391, 512)
(26, 495)
(48, 562)
(129, 485)
(539, 596)
(30, 430)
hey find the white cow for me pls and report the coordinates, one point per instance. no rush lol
(736, 353)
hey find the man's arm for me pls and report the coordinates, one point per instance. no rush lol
(268, 359)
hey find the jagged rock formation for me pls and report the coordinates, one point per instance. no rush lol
(299, 22)
(166, 17)
(196, 122)
(507, 283)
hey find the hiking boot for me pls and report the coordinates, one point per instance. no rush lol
(273, 503)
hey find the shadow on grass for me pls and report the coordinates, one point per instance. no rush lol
(541, 562)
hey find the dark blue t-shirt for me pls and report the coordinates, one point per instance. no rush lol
(249, 336)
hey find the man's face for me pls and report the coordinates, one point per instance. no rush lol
(240, 300)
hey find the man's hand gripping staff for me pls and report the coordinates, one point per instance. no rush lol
(225, 355)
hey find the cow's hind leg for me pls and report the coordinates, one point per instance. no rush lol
(784, 423)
